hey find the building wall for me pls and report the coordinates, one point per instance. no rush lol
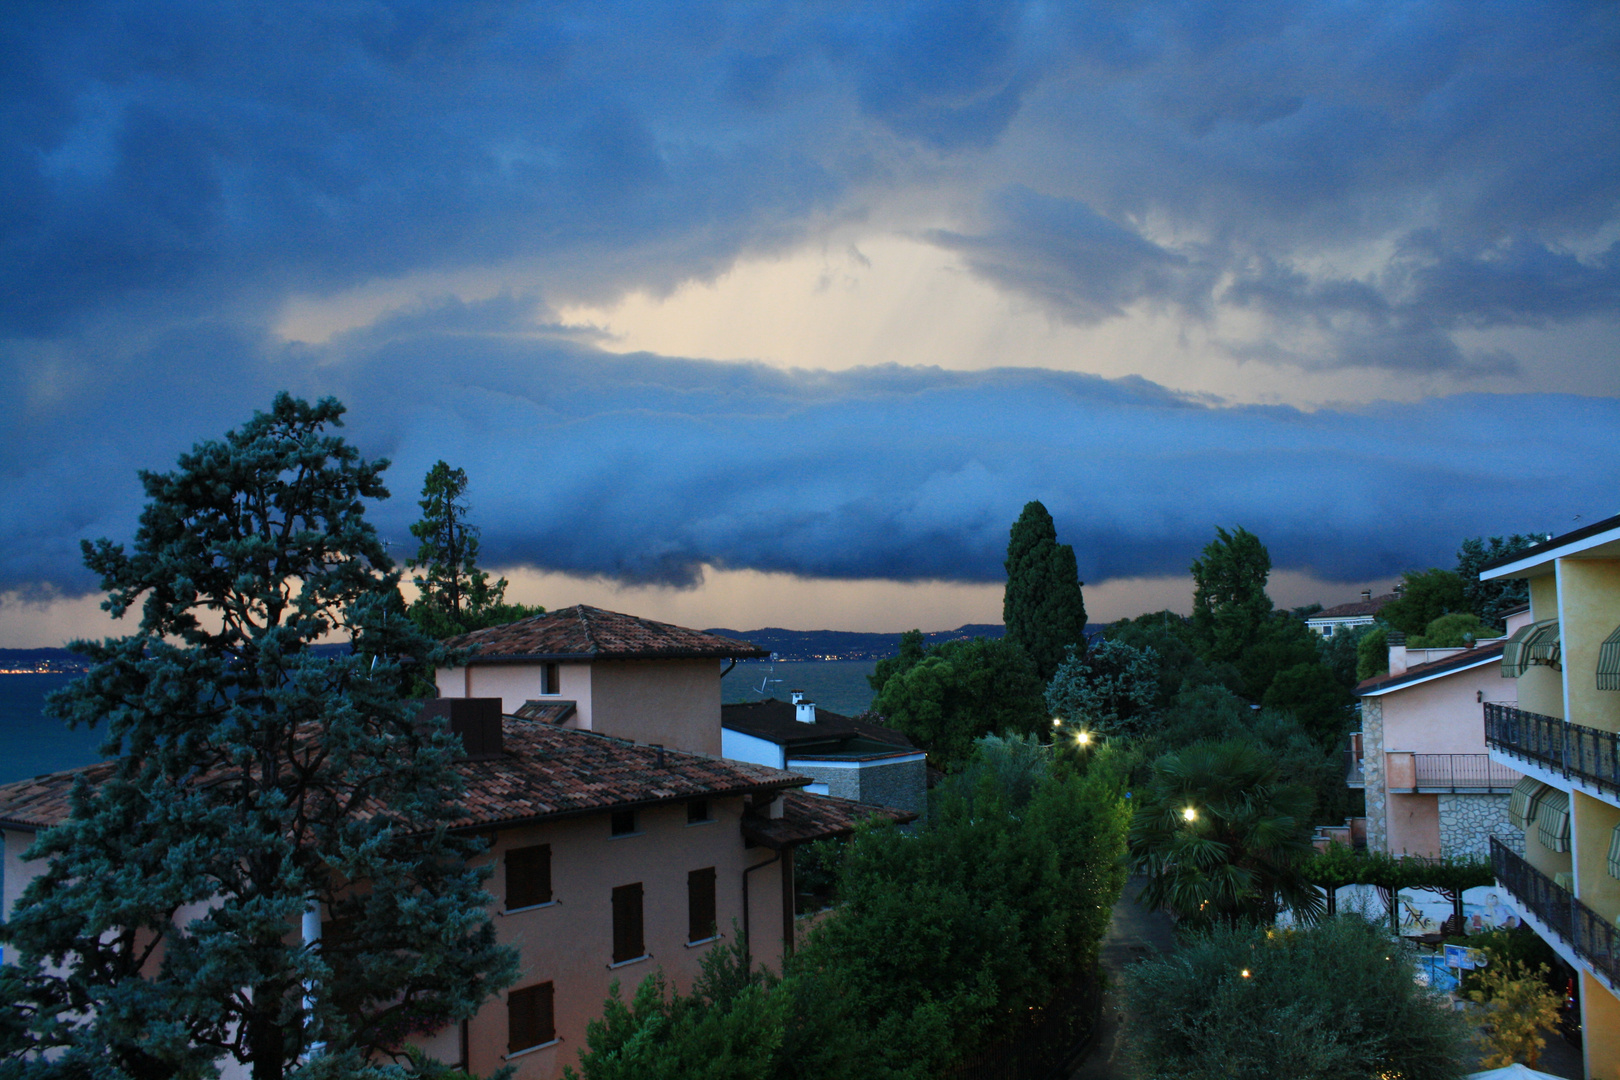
(570, 942)
(1588, 611)
(674, 702)
(1372, 771)
(742, 747)
(1600, 1022)
(516, 683)
(900, 784)
(1443, 715)
(1414, 825)
(14, 873)
(1591, 825)
(1468, 821)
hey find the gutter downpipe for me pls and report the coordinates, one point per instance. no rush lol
(729, 666)
(748, 944)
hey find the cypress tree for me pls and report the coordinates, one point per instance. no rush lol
(255, 780)
(1230, 605)
(1042, 607)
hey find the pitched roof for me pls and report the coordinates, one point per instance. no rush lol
(807, 816)
(1359, 607)
(582, 632)
(1468, 658)
(1553, 543)
(777, 721)
(544, 772)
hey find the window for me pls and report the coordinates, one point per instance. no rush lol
(550, 679)
(697, 811)
(624, 822)
(528, 876)
(627, 940)
(700, 904)
(530, 1019)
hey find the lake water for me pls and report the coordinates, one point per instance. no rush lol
(31, 744)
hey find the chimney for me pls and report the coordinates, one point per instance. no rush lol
(797, 696)
(476, 720)
(1397, 652)
(1366, 595)
(805, 711)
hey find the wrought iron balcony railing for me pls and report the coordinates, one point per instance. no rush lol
(1575, 750)
(1460, 772)
(1592, 937)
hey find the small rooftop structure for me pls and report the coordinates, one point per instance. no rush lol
(1363, 612)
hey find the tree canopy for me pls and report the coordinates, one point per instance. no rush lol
(1042, 607)
(1492, 600)
(959, 691)
(1426, 595)
(1230, 605)
(1110, 688)
(254, 780)
(453, 594)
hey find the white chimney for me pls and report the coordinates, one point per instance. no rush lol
(805, 710)
(796, 696)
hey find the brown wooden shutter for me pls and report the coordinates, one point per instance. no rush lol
(528, 876)
(530, 1017)
(700, 904)
(627, 939)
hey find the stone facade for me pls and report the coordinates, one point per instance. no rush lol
(1372, 768)
(1467, 823)
(903, 785)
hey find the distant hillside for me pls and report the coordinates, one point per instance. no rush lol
(847, 644)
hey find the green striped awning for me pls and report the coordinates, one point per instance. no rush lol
(1609, 662)
(1552, 819)
(1529, 643)
(1614, 853)
(1522, 803)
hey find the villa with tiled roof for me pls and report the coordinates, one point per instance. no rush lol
(1363, 612)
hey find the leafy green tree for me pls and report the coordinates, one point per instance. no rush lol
(1335, 1001)
(1180, 667)
(1339, 653)
(961, 690)
(1042, 607)
(909, 656)
(1318, 700)
(1428, 594)
(1110, 688)
(1453, 631)
(1230, 605)
(253, 780)
(1492, 600)
(1222, 837)
(1372, 653)
(1280, 642)
(453, 594)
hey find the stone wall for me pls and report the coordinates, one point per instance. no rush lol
(903, 785)
(1372, 768)
(1467, 823)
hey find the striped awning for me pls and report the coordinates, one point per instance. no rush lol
(1614, 853)
(1537, 641)
(1522, 803)
(1552, 819)
(1608, 665)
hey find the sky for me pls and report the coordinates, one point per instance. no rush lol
(777, 314)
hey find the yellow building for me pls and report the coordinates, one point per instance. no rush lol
(1564, 735)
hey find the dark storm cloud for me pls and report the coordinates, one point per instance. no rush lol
(643, 468)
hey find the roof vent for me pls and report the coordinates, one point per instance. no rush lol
(477, 721)
(804, 711)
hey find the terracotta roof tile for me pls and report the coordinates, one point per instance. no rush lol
(807, 816)
(544, 772)
(777, 721)
(1465, 659)
(587, 633)
(1359, 607)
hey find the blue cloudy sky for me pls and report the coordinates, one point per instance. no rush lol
(761, 313)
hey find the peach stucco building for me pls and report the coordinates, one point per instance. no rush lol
(1431, 787)
(621, 843)
(1564, 735)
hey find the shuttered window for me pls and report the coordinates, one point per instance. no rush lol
(1522, 803)
(528, 876)
(700, 904)
(530, 1017)
(1552, 820)
(627, 939)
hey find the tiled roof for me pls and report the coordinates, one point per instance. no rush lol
(43, 800)
(776, 721)
(587, 633)
(1468, 658)
(550, 711)
(544, 772)
(1553, 543)
(1359, 607)
(806, 817)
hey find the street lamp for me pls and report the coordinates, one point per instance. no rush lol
(1083, 738)
(1190, 814)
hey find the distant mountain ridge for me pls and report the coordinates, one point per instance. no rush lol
(848, 644)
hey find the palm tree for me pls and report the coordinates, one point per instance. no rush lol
(1222, 837)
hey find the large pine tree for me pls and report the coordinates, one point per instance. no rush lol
(1042, 607)
(255, 780)
(453, 594)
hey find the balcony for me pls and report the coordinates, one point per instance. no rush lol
(1590, 936)
(1574, 750)
(1447, 773)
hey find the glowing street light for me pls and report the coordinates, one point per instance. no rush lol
(1083, 738)
(1190, 814)
(1057, 721)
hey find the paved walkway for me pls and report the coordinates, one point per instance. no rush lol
(1134, 933)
